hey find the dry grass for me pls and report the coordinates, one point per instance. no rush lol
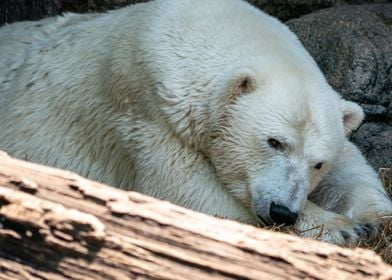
(382, 243)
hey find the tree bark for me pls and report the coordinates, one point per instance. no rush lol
(55, 224)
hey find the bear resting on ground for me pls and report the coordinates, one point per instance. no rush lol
(212, 105)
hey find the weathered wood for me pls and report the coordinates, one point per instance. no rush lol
(57, 225)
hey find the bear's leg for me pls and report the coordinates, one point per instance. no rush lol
(353, 189)
(330, 227)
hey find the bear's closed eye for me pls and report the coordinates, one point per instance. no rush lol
(318, 165)
(277, 145)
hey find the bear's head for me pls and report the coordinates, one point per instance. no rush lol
(275, 134)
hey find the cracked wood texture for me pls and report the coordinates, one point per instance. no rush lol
(55, 224)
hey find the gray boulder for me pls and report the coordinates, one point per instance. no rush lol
(285, 10)
(353, 47)
(18, 10)
(375, 141)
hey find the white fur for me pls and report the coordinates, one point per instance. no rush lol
(177, 99)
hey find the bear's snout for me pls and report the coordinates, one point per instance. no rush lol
(280, 214)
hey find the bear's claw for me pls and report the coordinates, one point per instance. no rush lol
(346, 235)
(358, 233)
(364, 231)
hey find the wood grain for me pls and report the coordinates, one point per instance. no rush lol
(55, 224)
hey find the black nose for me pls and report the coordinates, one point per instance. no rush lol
(282, 215)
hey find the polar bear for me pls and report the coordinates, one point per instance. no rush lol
(212, 105)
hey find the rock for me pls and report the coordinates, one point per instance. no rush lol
(285, 10)
(375, 142)
(17, 10)
(353, 47)
(374, 112)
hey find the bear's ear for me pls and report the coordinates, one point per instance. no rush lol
(241, 82)
(352, 115)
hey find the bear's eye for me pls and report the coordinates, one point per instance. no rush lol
(318, 165)
(275, 144)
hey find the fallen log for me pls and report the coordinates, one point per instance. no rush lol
(55, 224)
